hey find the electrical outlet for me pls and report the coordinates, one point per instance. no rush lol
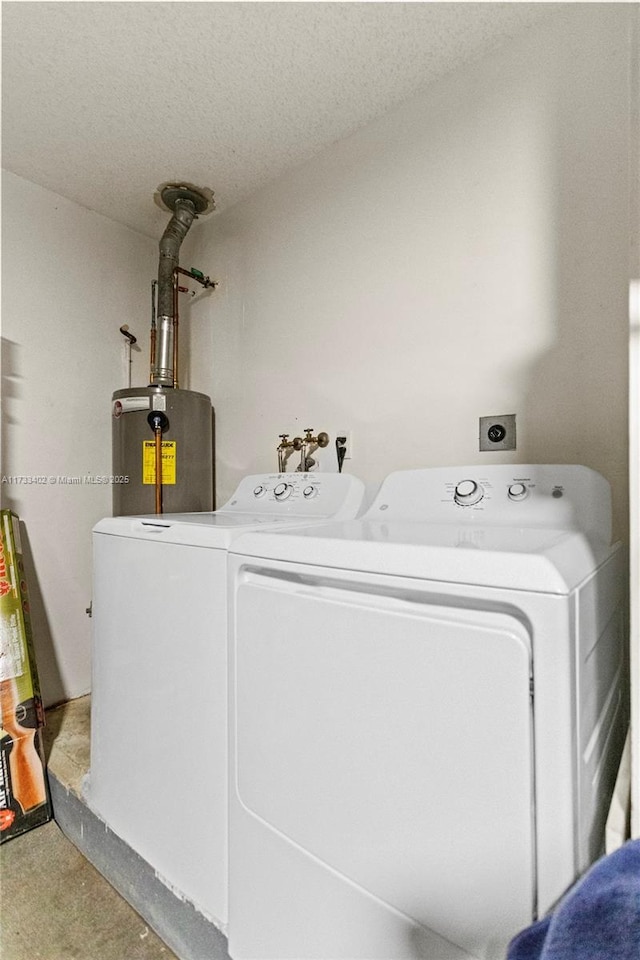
(498, 433)
(342, 447)
(344, 437)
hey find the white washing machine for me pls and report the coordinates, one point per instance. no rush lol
(158, 774)
(427, 712)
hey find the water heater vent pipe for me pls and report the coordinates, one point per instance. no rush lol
(187, 203)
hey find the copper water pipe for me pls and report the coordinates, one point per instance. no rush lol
(206, 282)
(158, 451)
(198, 277)
(175, 327)
(154, 284)
(153, 348)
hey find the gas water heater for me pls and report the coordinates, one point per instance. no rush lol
(162, 436)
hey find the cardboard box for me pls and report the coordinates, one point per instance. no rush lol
(24, 793)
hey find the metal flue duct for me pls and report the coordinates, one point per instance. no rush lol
(186, 202)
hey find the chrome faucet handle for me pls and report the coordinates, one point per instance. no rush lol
(309, 445)
(281, 450)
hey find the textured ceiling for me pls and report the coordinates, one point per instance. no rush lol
(104, 101)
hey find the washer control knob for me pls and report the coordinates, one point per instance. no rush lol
(467, 493)
(259, 491)
(310, 492)
(517, 491)
(282, 490)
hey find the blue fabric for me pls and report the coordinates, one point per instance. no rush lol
(599, 919)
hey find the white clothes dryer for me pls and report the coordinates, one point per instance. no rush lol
(158, 775)
(427, 711)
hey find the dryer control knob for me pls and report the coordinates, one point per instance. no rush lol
(282, 491)
(310, 492)
(467, 493)
(517, 491)
(259, 491)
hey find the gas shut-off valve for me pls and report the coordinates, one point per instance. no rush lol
(306, 445)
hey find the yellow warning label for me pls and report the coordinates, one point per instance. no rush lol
(168, 462)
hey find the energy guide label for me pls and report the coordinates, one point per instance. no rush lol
(168, 462)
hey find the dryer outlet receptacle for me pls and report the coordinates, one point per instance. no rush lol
(498, 433)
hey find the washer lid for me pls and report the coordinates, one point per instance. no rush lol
(214, 530)
(536, 560)
(260, 499)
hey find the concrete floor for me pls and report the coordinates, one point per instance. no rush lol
(55, 904)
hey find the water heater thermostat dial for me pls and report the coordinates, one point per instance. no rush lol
(282, 491)
(467, 493)
(517, 491)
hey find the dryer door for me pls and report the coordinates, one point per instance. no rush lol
(388, 739)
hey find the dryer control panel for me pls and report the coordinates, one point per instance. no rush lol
(559, 496)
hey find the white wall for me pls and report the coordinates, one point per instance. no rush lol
(71, 278)
(464, 256)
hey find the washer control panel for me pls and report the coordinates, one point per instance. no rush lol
(313, 495)
(529, 495)
(282, 491)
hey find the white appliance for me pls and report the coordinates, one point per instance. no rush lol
(158, 774)
(427, 713)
